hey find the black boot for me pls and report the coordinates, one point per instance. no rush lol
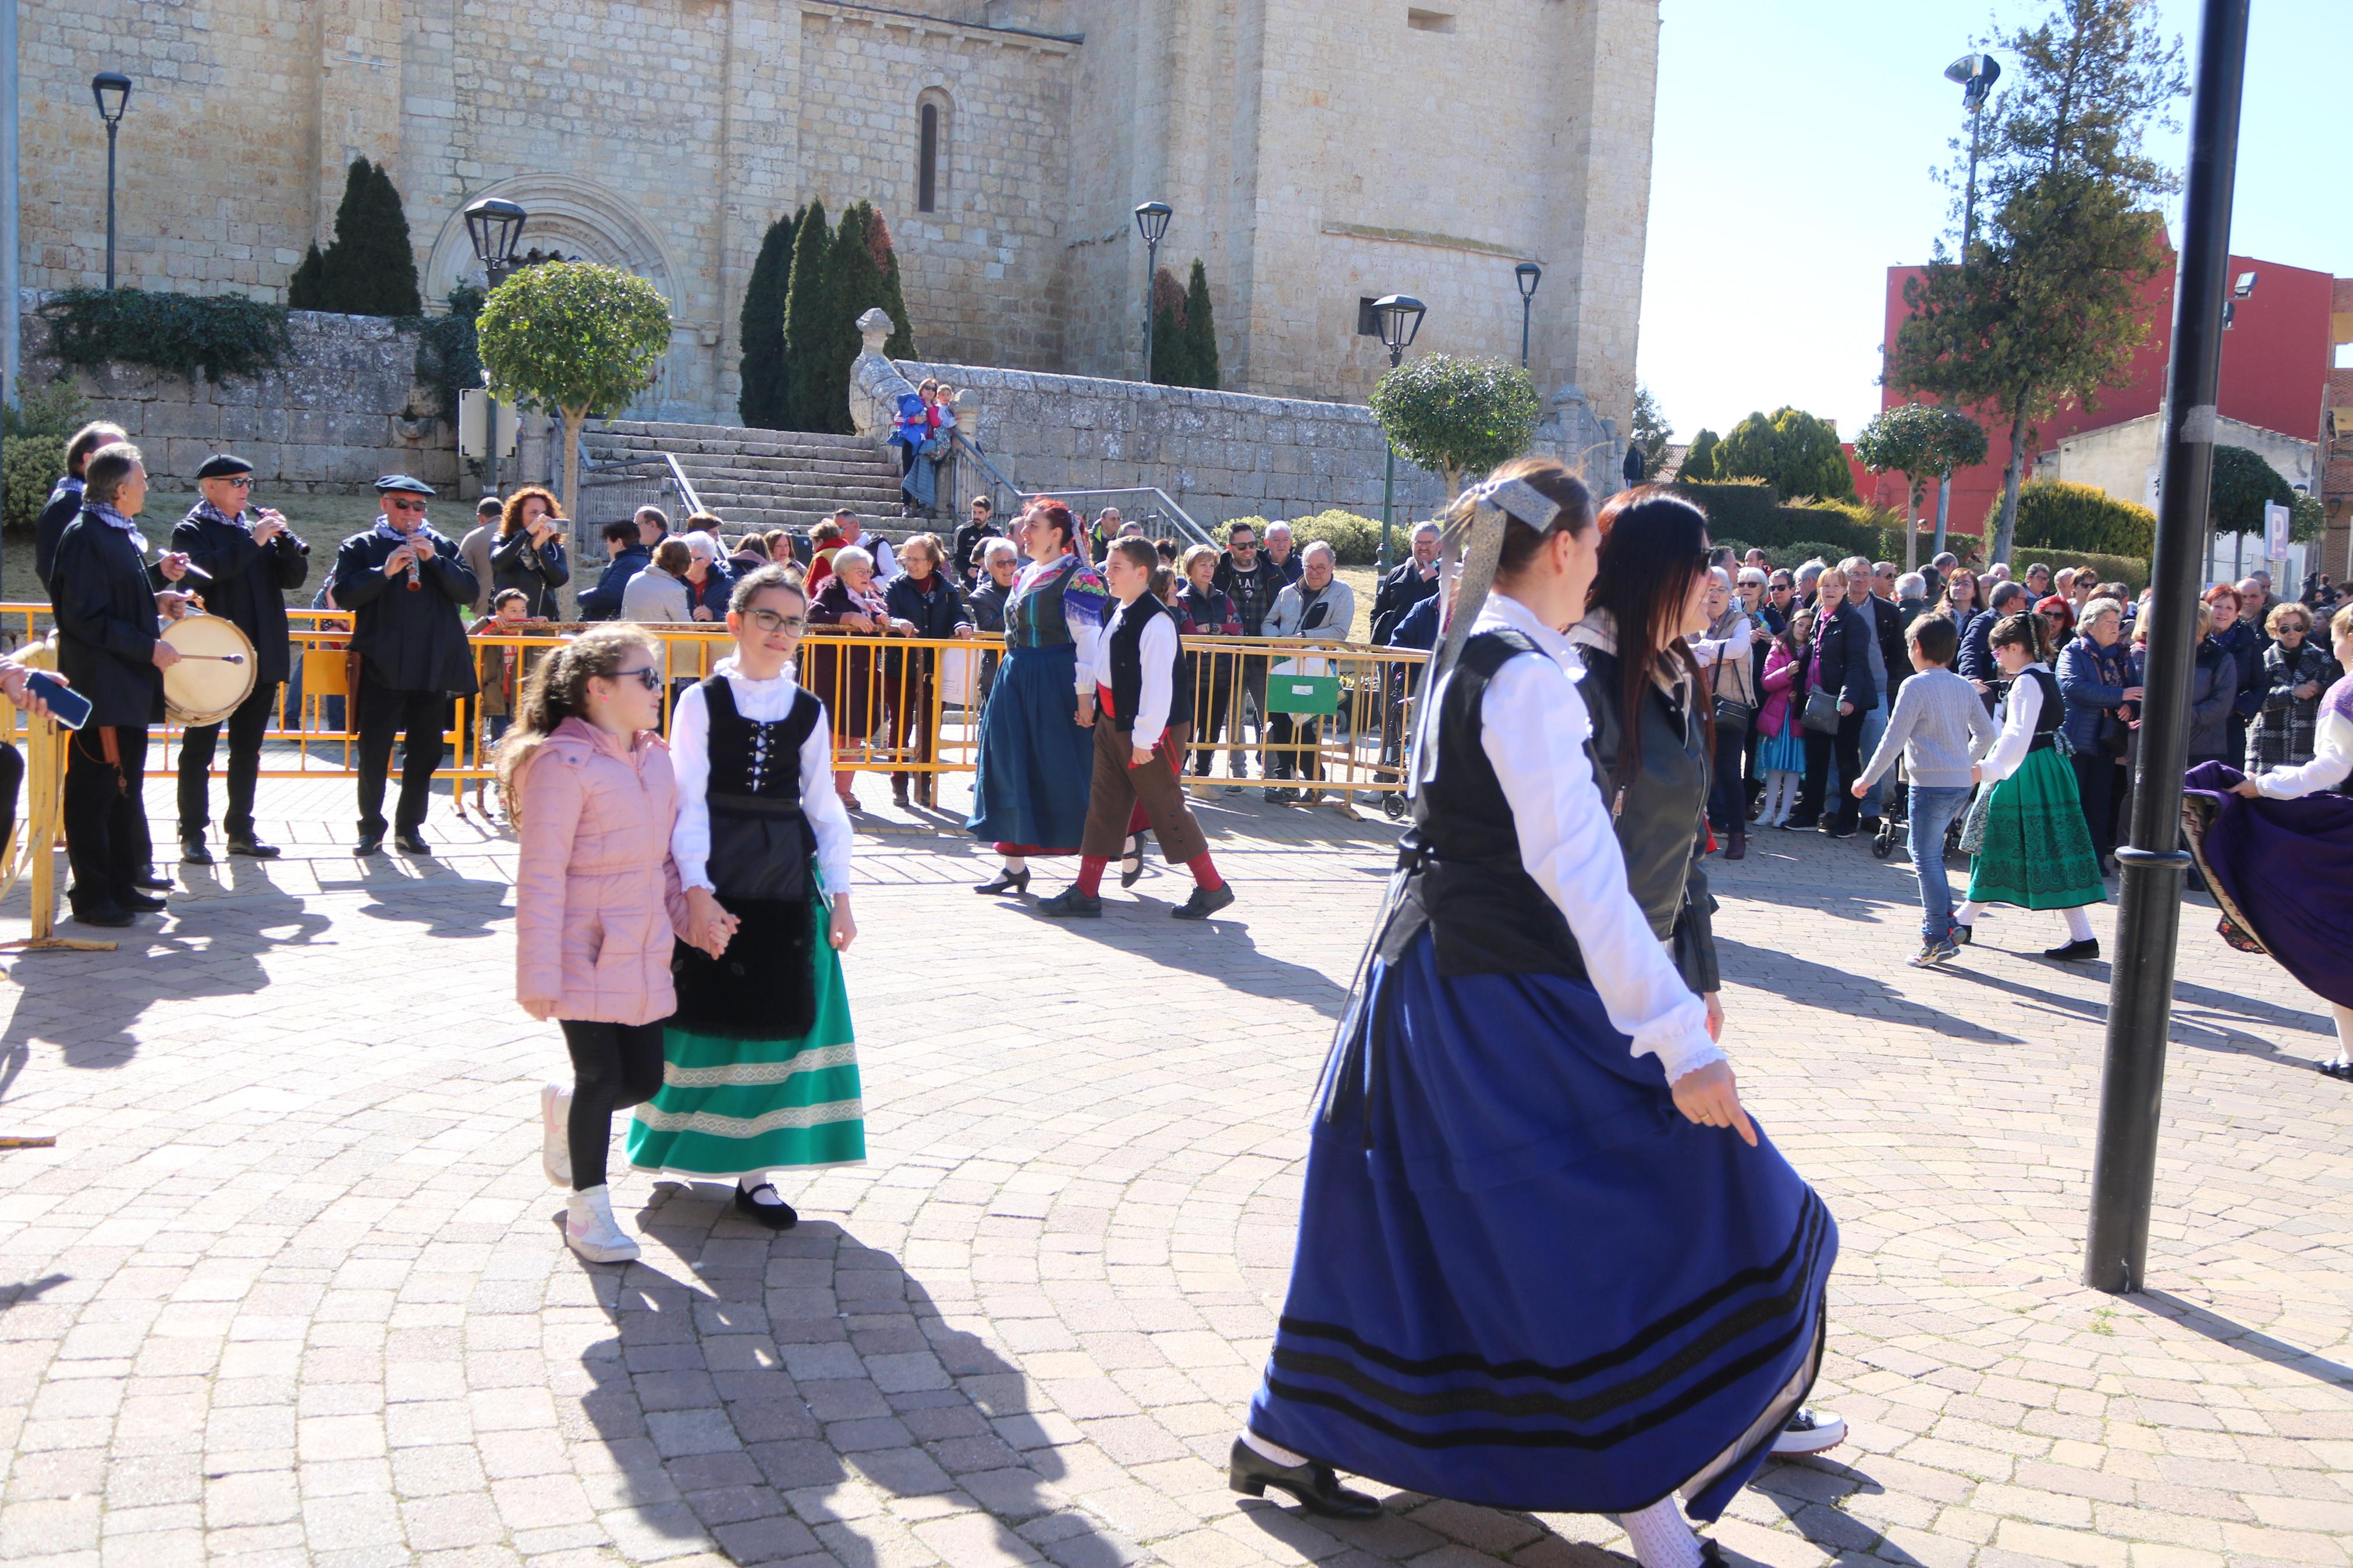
(1312, 1484)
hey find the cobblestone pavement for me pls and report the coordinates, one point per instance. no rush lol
(289, 1288)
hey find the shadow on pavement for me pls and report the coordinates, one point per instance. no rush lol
(1218, 948)
(2186, 1030)
(1811, 1494)
(2238, 1336)
(1825, 985)
(773, 1390)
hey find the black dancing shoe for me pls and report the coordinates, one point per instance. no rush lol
(2074, 952)
(1006, 882)
(252, 848)
(1312, 1484)
(193, 851)
(2341, 1071)
(1070, 902)
(1205, 902)
(1131, 860)
(778, 1215)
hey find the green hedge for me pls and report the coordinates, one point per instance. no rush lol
(220, 335)
(1753, 511)
(2068, 516)
(1355, 541)
(2131, 570)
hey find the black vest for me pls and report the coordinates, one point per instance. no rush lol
(1486, 914)
(760, 841)
(1127, 683)
(2051, 715)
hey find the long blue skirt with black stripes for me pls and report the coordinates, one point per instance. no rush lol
(1523, 1278)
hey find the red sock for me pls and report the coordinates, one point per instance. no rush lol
(1205, 872)
(1137, 821)
(1090, 871)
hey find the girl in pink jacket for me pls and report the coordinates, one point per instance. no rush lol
(587, 781)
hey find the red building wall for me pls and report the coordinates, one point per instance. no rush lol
(2276, 371)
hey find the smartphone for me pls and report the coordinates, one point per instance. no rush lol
(67, 706)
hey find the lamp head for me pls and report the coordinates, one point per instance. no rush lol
(112, 91)
(1152, 220)
(495, 226)
(1400, 316)
(1529, 274)
(1976, 74)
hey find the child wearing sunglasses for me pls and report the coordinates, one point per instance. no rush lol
(759, 1070)
(588, 784)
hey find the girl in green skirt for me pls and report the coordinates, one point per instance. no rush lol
(2033, 848)
(759, 1073)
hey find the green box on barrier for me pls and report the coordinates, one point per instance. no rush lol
(1317, 696)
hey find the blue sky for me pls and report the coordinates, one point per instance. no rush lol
(1795, 143)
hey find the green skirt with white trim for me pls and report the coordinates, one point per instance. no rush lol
(730, 1108)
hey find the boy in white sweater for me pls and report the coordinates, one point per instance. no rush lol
(1940, 728)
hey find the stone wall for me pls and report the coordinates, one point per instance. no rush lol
(1217, 454)
(331, 416)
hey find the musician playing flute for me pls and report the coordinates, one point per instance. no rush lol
(253, 558)
(408, 588)
(106, 598)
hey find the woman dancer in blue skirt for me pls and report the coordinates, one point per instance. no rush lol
(1031, 785)
(1545, 1261)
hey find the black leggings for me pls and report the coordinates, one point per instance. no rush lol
(613, 1066)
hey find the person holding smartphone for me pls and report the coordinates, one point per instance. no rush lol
(106, 598)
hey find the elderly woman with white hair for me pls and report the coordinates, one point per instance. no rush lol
(838, 673)
(1321, 608)
(999, 561)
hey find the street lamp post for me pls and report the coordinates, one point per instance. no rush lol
(1976, 74)
(1152, 222)
(495, 226)
(2149, 912)
(1528, 275)
(1401, 318)
(112, 91)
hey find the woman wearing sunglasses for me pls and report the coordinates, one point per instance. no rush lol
(588, 783)
(759, 1073)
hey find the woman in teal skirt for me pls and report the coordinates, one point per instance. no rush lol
(2026, 836)
(759, 1071)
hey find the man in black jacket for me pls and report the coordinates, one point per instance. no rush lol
(1245, 575)
(1414, 580)
(969, 537)
(106, 597)
(406, 588)
(64, 504)
(253, 558)
(626, 556)
(1976, 666)
(1888, 662)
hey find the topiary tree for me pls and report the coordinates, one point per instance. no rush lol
(2058, 514)
(371, 267)
(2243, 482)
(1795, 452)
(1699, 463)
(759, 401)
(1456, 417)
(811, 308)
(1201, 328)
(1921, 441)
(573, 339)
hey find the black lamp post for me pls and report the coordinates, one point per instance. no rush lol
(112, 91)
(2149, 909)
(1529, 274)
(1401, 318)
(1152, 222)
(1976, 74)
(495, 226)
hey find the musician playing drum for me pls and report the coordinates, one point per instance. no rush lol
(254, 558)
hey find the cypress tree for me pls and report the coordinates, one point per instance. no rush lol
(370, 269)
(1172, 354)
(763, 403)
(1201, 329)
(858, 287)
(809, 300)
(306, 290)
(902, 341)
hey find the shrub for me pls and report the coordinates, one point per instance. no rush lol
(1699, 461)
(1355, 541)
(1743, 507)
(1793, 451)
(221, 335)
(2130, 570)
(2068, 516)
(449, 357)
(2241, 483)
(29, 465)
(1789, 557)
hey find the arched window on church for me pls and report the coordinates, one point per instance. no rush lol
(932, 112)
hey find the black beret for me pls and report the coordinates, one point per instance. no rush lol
(221, 465)
(405, 484)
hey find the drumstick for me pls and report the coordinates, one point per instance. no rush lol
(223, 658)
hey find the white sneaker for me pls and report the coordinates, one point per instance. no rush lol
(589, 1229)
(1811, 1432)
(555, 1143)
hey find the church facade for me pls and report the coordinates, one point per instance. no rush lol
(1318, 153)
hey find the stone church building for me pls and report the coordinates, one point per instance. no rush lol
(1318, 153)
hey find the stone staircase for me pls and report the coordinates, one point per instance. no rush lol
(764, 479)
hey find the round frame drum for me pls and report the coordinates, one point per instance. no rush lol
(215, 671)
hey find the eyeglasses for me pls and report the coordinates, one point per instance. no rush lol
(1245, 544)
(769, 621)
(646, 676)
(404, 506)
(239, 481)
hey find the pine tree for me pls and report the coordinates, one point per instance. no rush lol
(763, 403)
(808, 312)
(1172, 355)
(1201, 328)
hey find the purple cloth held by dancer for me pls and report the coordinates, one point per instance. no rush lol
(2283, 869)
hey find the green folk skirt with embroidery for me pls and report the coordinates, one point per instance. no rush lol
(730, 1108)
(2037, 852)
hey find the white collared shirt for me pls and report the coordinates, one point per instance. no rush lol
(1533, 726)
(1155, 651)
(763, 702)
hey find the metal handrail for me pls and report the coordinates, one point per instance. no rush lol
(1186, 525)
(590, 467)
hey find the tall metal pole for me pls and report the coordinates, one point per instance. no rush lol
(1388, 475)
(10, 350)
(111, 126)
(1943, 510)
(1151, 276)
(2148, 916)
(1527, 304)
(493, 273)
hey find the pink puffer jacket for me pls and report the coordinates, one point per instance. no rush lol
(596, 894)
